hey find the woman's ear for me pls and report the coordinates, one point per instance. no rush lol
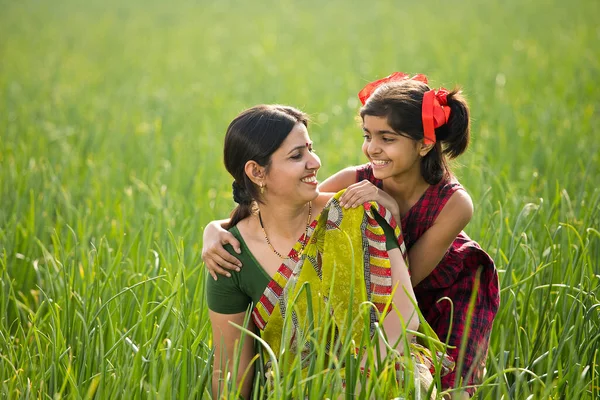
(255, 172)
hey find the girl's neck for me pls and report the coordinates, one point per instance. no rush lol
(406, 189)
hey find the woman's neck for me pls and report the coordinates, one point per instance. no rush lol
(284, 221)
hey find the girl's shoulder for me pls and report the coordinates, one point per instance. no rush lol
(443, 190)
(365, 173)
(449, 190)
(446, 198)
(450, 183)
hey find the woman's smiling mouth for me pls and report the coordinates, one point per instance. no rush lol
(311, 180)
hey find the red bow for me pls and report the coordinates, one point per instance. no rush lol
(435, 113)
(368, 90)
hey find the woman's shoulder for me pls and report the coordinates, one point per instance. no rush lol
(234, 230)
(246, 256)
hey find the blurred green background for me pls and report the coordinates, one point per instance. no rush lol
(112, 118)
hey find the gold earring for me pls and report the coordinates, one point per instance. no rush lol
(262, 188)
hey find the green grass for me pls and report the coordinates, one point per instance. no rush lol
(112, 116)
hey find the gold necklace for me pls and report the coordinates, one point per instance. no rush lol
(305, 233)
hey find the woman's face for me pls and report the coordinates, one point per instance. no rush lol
(293, 170)
(390, 153)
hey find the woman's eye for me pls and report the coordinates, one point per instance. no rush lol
(296, 156)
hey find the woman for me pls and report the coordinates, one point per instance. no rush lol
(269, 154)
(410, 130)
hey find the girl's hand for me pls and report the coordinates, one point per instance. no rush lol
(365, 191)
(215, 257)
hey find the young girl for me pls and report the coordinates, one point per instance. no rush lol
(409, 131)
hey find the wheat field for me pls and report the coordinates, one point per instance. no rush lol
(112, 118)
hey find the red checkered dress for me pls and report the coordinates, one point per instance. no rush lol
(454, 278)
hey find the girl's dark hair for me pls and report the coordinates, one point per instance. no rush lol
(401, 103)
(255, 135)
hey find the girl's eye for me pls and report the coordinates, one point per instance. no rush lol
(388, 140)
(367, 137)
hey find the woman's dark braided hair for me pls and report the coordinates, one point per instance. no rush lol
(255, 135)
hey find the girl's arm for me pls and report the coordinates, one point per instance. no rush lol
(429, 250)
(339, 181)
(404, 301)
(225, 340)
(214, 255)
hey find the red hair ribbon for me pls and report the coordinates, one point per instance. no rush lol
(368, 90)
(435, 113)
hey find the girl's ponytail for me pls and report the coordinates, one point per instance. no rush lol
(455, 135)
(451, 138)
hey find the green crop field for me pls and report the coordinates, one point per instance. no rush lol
(112, 118)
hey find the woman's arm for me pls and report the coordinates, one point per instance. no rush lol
(214, 255)
(225, 340)
(429, 250)
(339, 181)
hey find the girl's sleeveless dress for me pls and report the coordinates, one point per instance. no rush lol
(454, 277)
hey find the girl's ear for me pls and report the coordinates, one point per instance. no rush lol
(255, 172)
(423, 149)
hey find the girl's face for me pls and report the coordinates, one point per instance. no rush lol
(292, 174)
(390, 153)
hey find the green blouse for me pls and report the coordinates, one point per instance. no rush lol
(234, 295)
